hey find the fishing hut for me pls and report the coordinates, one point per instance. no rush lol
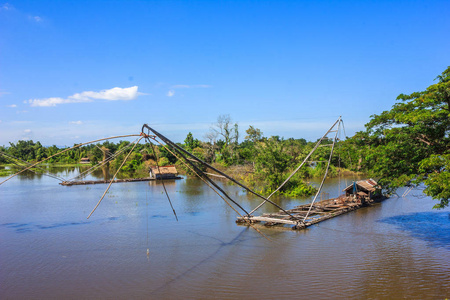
(85, 160)
(167, 172)
(363, 190)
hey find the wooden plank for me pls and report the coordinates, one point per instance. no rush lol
(273, 220)
(69, 183)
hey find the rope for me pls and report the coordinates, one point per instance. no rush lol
(11, 158)
(298, 168)
(212, 188)
(348, 151)
(181, 150)
(111, 157)
(76, 146)
(162, 181)
(146, 203)
(198, 171)
(114, 177)
(326, 173)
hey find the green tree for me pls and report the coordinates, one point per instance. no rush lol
(190, 143)
(253, 134)
(410, 144)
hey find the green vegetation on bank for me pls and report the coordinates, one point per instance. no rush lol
(261, 162)
(408, 145)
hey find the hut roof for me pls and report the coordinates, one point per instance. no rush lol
(369, 185)
(164, 170)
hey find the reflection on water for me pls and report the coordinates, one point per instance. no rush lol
(396, 249)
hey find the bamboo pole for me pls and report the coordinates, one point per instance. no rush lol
(326, 172)
(76, 146)
(114, 177)
(298, 168)
(211, 187)
(162, 181)
(181, 150)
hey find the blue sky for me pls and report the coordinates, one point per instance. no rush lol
(73, 71)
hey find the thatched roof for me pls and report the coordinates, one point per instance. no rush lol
(164, 170)
(368, 185)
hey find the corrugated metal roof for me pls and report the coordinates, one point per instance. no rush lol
(369, 185)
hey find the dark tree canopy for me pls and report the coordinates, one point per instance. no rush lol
(410, 144)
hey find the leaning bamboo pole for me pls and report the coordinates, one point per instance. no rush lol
(298, 168)
(76, 146)
(181, 150)
(211, 187)
(114, 177)
(326, 172)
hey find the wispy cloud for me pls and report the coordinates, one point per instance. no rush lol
(35, 18)
(114, 94)
(186, 86)
(6, 6)
(3, 93)
(76, 122)
(170, 93)
(12, 105)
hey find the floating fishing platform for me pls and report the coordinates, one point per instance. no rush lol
(320, 211)
(85, 182)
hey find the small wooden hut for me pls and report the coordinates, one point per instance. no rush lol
(167, 172)
(366, 189)
(85, 160)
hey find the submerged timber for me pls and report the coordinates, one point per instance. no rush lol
(359, 194)
(84, 182)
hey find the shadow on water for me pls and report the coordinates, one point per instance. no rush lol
(222, 244)
(27, 227)
(432, 227)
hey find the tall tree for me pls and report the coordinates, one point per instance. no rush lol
(230, 134)
(410, 144)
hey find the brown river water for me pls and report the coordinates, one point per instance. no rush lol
(399, 248)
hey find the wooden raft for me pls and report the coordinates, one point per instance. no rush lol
(69, 183)
(321, 211)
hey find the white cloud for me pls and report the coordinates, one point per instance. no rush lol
(12, 105)
(27, 130)
(37, 19)
(76, 122)
(113, 94)
(170, 93)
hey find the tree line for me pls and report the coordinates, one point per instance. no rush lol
(408, 145)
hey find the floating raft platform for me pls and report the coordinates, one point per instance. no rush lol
(84, 182)
(320, 211)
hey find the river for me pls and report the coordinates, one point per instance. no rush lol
(399, 248)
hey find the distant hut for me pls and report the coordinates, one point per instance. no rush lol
(167, 172)
(85, 160)
(363, 189)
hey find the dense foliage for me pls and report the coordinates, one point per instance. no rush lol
(410, 144)
(407, 145)
(262, 162)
